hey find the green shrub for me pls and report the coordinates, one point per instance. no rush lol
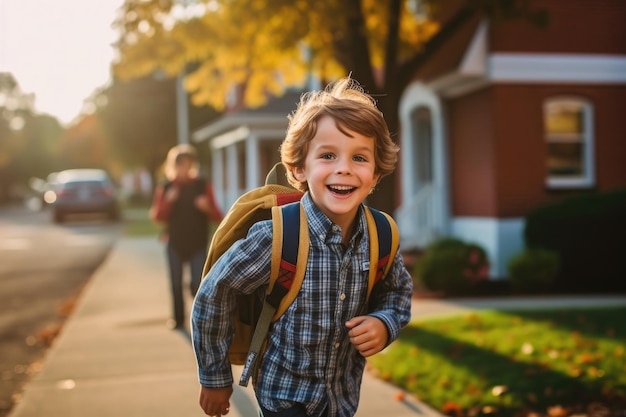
(533, 270)
(452, 266)
(589, 233)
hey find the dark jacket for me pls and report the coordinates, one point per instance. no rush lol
(187, 227)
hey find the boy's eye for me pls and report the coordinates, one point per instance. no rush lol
(359, 158)
(327, 156)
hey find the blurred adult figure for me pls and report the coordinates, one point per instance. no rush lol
(185, 204)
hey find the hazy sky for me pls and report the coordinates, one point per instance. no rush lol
(60, 50)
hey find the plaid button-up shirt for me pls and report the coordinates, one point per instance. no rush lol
(309, 358)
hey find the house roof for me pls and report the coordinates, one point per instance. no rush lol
(456, 62)
(272, 115)
(448, 57)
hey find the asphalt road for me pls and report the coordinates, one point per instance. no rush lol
(43, 267)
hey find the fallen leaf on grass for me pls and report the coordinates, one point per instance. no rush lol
(527, 349)
(585, 358)
(451, 407)
(557, 411)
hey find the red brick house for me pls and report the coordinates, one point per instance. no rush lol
(504, 118)
(500, 119)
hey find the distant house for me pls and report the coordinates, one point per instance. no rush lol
(499, 120)
(504, 118)
(244, 145)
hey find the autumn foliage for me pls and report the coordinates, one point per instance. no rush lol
(266, 45)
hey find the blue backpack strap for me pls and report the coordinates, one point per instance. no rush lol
(384, 242)
(291, 236)
(286, 230)
(294, 252)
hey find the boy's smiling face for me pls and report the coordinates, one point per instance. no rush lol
(339, 170)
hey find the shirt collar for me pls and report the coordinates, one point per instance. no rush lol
(330, 232)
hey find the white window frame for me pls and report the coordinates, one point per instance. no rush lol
(587, 178)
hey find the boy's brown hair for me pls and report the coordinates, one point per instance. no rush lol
(351, 108)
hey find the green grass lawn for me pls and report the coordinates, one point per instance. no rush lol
(137, 222)
(510, 363)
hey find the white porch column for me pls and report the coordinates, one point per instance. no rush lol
(217, 177)
(252, 162)
(232, 173)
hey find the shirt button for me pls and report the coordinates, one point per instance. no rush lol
(337, 345)
(342, 297)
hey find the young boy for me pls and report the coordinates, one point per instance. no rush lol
(336, 149)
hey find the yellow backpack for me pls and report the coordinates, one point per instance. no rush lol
(280, 202)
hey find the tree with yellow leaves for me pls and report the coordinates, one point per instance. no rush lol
(264, 46)
(267, 45)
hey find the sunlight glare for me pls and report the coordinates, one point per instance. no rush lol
(59, 51)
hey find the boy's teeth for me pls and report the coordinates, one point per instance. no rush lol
(344, 189)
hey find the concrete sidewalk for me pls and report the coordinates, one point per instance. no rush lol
(115, 356)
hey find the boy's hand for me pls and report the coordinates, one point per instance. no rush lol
(215, 401)
(368, 334)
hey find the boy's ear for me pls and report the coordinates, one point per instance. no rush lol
(298, 173)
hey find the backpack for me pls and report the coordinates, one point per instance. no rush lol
(280, 202)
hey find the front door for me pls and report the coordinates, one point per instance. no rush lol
(422, 217)
(422, 133)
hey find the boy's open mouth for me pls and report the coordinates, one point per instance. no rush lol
(341, 189)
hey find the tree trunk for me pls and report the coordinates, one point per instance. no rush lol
(397, 78)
